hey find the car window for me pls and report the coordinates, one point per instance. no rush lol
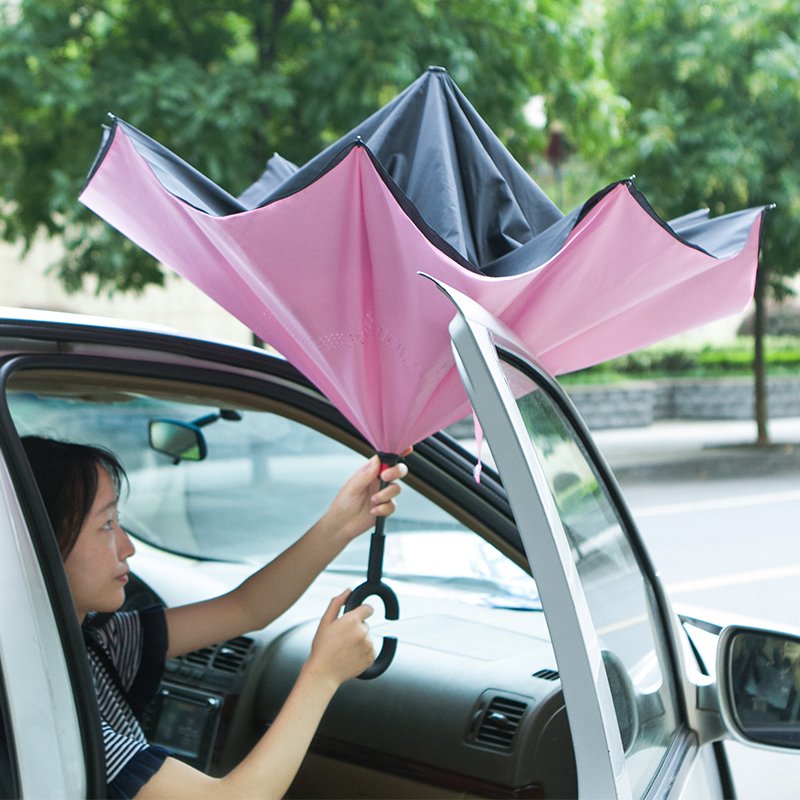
(620, 598)
(266, 479)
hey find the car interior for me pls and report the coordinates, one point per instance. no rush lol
(471, 704)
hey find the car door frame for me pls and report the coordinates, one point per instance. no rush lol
(476, 337)
(57, 743)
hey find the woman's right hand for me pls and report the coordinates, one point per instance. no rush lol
(342, 648)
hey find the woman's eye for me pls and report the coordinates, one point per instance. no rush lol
(108, 526)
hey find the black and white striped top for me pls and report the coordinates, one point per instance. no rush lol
(127, 652)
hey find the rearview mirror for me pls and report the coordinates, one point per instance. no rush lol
(182, 441)
(758, 673)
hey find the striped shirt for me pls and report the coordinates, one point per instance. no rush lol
(127, 652)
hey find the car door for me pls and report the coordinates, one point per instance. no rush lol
(607, 615)
(47, 735)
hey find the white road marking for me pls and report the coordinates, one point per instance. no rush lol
(745, 501)
(734, 579)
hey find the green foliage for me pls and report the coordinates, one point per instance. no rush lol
(668, 361)
(701, 101)
(714, 96)
(225, 85)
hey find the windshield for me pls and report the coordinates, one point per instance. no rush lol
(265, 480)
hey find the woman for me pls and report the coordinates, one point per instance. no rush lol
(80, 486)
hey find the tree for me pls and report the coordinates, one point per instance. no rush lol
(715, 109)
(224, 85)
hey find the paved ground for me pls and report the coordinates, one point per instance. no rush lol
(700, 449)
(678, 478)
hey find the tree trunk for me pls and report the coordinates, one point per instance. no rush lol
(759, 360)
(267, 18)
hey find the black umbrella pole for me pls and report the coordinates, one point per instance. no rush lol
(376, 545)
(374, 585)
(377, 541)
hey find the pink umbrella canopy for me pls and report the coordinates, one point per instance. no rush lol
(325, 266)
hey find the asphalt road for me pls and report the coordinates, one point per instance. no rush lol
(733, 546)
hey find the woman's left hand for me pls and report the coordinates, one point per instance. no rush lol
(361, 499)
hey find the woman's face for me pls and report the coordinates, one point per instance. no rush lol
(96, 567)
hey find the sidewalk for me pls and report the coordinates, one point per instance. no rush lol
(689, 450)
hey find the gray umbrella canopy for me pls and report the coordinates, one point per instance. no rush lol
(451, 174)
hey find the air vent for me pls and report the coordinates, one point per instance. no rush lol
(547, 674)
(500, 722)
(231, 656)
(201, 658)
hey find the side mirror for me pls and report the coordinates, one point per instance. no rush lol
(182, 441)
(758, 675)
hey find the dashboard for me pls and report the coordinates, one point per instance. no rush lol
(471, 705)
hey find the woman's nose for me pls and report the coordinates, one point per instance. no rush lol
(125, 547)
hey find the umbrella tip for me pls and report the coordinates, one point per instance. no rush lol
(436, 69)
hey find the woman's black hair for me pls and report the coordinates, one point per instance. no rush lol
(67, 477)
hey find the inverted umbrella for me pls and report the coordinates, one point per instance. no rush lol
(322, 261)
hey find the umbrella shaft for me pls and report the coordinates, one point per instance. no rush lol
(375, 569)
(377, 541)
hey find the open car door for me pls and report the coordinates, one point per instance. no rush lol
(608, 618)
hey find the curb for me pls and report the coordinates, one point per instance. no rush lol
(641, 403)
(725, 462)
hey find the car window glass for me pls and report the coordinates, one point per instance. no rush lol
(620, 598)
(266, 479)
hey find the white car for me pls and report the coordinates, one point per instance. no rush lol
(535, 653)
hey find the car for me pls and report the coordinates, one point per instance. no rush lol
(533, 652)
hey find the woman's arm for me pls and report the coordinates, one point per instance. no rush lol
(341, 650)
(266, 594)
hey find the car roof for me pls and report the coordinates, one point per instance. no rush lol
(46, 324)
(16, 314)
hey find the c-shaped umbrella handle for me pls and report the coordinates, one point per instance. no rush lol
(386, 593)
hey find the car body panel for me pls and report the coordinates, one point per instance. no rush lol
(601, 769)
(46, 734)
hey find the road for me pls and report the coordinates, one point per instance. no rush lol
(731, 545)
